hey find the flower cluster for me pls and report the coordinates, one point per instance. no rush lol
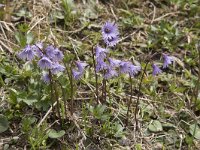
(112, 67)
(48, 58)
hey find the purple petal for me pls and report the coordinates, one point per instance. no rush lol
(49, 50)
(27, 53)
(156, 69)
(81, 65)
(46, 78)
(76, 74)
(134, 69)
(109, 30)
(110, 73)
(101, 52)
(58, 55)
(167, 60)
(57, 68)
(114, 62)
(45, 63)
(111, 42)
(124, 67)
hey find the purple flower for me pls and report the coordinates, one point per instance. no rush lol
(46, 78)
(77, 74)
(100, 53)
(109, 30)
(134, 69)
(114, 62)
(156, 70)
(45, 63)
(37, 48)
(112, 41)
(49, 50)
(101, 65)
(57, 68)
(167, 60)
(124, 67)
(110, 73)
(27, 53)
(81, 65)
(58, 55)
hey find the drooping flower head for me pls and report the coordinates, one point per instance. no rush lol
(110, 72)
(111, 42)
(27, 53)
(38, 49)
(100, 53)
(114, 62)
(49, 50)
(109, 30)
(56, 67)
(101, 65)
(45, 63)
(156, 69)
(58, 55)
(124, 67)
(167, 60)
(134, 69)
(77, 74)
(81, 65)
(46, 78)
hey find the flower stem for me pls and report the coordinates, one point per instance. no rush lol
(96, 77)
(138, 96)
(51, 86)
(58, 104)
(130, 100)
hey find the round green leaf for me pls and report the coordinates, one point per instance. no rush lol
(195, 131)
(155, 126)
(54, 134)
(3, 123)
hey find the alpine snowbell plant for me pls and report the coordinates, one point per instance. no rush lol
(49, 60)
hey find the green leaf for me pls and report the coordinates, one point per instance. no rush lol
(29, 101)
(54, 134)
(3, 123)
(155, 126)
(29, 38)
(195, 131)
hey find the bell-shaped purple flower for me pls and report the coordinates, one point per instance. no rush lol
(58, 55)
(134, 69)
(109, 30)
(56, 67)
(101, 65)
(110, 73)
(100, 53)
(114, 62)
(111, 42)
(167, 60)
(46, 78)
(49, 50)
(38, 49)
(156, 69)
(81, 65)
(77, 74)
(27, 53)
(45, 63)
(124, 67)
